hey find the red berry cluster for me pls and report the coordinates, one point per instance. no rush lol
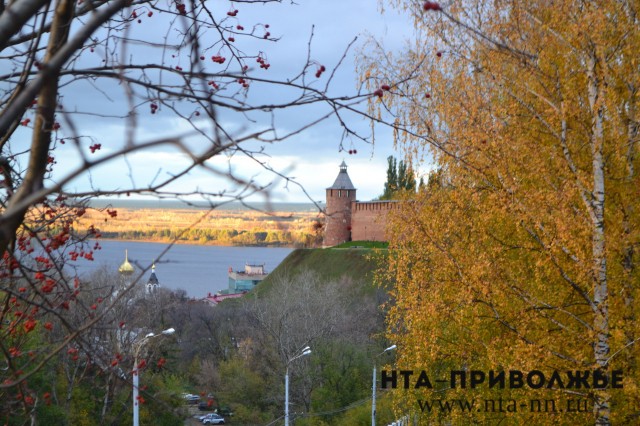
(232, 12)
(353, 151)
(48, 286)
(239, 27)
(112, 213)
(92, 231)
(213, 84)
(243, 82)
(320, 70)
(95, 147)
(380, 92)
(263, 62)
(25, 122)
(231, 39)
(74, 353)
(29, 325)
(182, 9)
(218, 59)
(154, 107)
(431, 5)
(24, 244)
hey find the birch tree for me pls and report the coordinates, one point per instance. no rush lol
(525, 257)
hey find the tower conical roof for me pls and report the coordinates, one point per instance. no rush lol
(342, 181)
(153, 279)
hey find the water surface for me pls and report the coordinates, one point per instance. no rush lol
(197, 269)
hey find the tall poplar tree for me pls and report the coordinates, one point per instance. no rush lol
(526, 259)
(400, 177)
(391, 185)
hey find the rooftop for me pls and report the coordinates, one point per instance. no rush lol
(342, 181)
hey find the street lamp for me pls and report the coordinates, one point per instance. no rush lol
(136, 373)
(373, 386)
(303, 352)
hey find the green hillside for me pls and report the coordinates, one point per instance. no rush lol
(359, 264)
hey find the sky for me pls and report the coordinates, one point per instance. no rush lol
(311, 157)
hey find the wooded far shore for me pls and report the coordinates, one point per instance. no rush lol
(224, 227)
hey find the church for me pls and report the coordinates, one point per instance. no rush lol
(347, 219)
(126, 271)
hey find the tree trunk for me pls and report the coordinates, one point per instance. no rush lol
(601, 407)
(43, 126)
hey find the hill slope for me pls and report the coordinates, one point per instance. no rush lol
(330, 263)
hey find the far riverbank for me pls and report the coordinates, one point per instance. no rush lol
(225, 228)
(195, 243)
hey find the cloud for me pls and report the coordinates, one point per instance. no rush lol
(310, 157)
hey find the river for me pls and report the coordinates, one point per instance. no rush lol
(197, 269)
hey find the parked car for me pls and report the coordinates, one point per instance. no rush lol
(191, 398)
(212, 419)
(224, 411)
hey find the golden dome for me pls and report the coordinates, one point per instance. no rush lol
(126, 268)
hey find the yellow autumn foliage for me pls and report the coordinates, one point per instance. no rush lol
(523, 255)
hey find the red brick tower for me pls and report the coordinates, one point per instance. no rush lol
(338, 212)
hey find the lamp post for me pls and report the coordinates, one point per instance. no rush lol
(303, 352)
(373, 386)
(136, 373)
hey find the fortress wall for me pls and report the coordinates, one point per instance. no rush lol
(369, 220)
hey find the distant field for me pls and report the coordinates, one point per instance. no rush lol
(215, 227)
(136, 204)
